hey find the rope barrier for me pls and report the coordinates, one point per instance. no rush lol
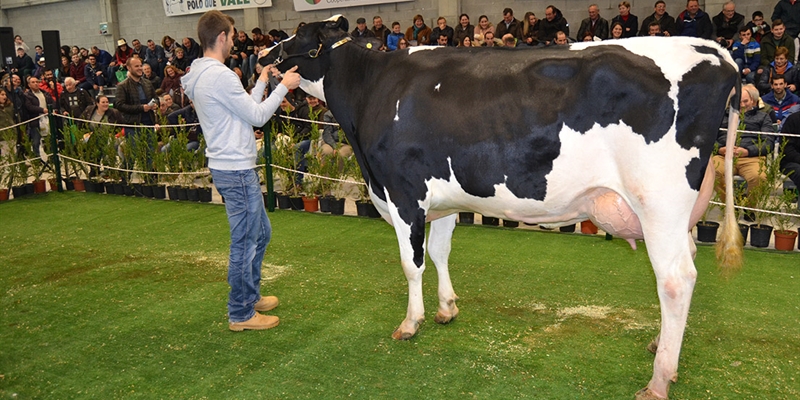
(757, 210)
(122, 125)
(22, 123)
(200, 172)
(309, 120)
(315, 175)
(764, 133)
(47, 156)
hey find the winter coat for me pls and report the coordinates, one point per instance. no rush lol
(393, 40)
(447, 31)
(630, 27)
(423, 36)
(728, 29)
(755, 120)
(790, 15)
(784, 108)
(548, 29)
(666, 22)
(600, 28)
(700, 26)
(76, 102)
(769, 44)
(750, 53)
(461, 33)
(514, 28)
(127, 100)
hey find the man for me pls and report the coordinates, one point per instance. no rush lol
(727, 24)
(509, 24)
(660, 15)
(35, 103)
(489, 40)
(780, 66)
(443, 28)
(94, 75)
(166, 106)
(379, 30)
(147, 73)
(39, 53)
(553, 22)
(361, 30)
(138, 49)
(654, 29)
(227, 115)
(103, 58)
(758, 26)
(74, 100)
(23, 64)
(595, 24)
(790, 163)
(260, 42)
(561, 39)
(49, 85)
(694, 22)
(155, 57)
(441, 40)
(771, 41)
(77, 70)
(788, 11)
(240, 53)
(135, 97)
(191, 50)
(782, 101)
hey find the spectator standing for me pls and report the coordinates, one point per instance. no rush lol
(553, 22)
(393, 40)
(509, 24)
(629, 22)
(758, 26)
(747, 54)
(694, 22)
(35, 103)
(727, 24)
(379, 30)
(135, 97)
(782, 101)
(463, 29)
(443, 29)
(418, 34)
(596, 25)
(660, 15)
(483, 26)
(231, 158)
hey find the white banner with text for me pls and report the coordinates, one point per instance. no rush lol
(174, 8)
(313, 5)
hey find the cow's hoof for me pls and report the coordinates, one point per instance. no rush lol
(445, 316)
(400, 335)
(647, 394)
(653, 346)
(406, 330)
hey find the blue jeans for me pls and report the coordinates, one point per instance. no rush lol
(250, 234)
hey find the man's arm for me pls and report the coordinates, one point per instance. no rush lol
(251, 108)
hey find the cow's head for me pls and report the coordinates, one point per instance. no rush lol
(309, 48)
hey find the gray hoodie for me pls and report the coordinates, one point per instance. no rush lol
(227, 113)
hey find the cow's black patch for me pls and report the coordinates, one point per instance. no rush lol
(698, 122)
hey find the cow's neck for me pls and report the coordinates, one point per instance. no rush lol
(349, 76)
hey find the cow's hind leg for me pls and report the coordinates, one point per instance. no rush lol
(675, 273)
(439, 244)
(411, 238)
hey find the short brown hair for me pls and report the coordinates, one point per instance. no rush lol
(782, 51)
(210, 25)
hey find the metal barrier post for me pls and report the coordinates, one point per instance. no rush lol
(54, 147)
(268, 172)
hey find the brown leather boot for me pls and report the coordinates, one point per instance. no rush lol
(258, 322)
(266, 303)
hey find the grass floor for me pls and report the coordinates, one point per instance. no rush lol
(114, 297)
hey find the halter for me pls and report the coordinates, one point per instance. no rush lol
(313, 53)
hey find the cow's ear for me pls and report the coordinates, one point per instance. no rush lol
(340, 23)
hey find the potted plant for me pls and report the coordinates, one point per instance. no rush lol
(783, 205)
(283, 156)
(707, 230)
(588, 227)
(760, 198)
(567, 228)
(466, 218)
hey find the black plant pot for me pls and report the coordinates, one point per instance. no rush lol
(337, 206)
(172, 191)
(183, 195)
(707, 231)
(265, 196)
(18, 191)
(744, 229)
(466, 218)
(760, 235)
(70, 185)
(118, 189)
(510, 224)
(361, 209)
(127, 189)
(489, 221)
(147, 191)
(88, 186)
(138, 190)
(296, 203)
(325, 204)
(372, 212)
(283, 202)
(109, 187)
(568, 228)
(160, 192)
(193, 194)
(205, 195)
(28, 188)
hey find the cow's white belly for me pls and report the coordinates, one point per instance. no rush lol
(603, 174)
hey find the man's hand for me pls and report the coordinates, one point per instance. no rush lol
(146, 107)
(722, 151)
(98, 73)
(291, 79)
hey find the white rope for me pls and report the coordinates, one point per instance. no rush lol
(200, 172)
(309, 120)
(122, 125)
(765, 133)
(47, 156)
(22, 123)
(314, 175)
(757, 210)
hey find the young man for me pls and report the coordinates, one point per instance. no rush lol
(227, 115)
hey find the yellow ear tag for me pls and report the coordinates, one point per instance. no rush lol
(369, 45)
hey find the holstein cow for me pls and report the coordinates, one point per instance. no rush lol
(618, 132)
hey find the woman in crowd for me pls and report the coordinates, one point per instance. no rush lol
(172, 81)
(180, 61)
(483, 26)
(62, 72)
(463, 28)
(419, 33)
(629, 22)
(617, 30)
(530, 29)
(100, 113)
(168, 43)
(466, 41)
(402, 44)
(6, 108)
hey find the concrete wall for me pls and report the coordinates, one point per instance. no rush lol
(78, 20)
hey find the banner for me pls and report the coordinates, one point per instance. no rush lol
(313, 5)
(174, 8)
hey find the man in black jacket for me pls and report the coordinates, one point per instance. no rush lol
(35, 102)
(727, 24)
(509, 24)
(23, 64)
(595, 24)
(552, 23)
(790, 163)
(660, 15)
(135, 97)
(242, 48)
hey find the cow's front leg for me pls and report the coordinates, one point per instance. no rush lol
(411, 238)
(439, 244)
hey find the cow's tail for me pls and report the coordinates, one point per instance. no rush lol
(729, 247)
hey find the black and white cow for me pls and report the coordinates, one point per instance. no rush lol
(618, 132)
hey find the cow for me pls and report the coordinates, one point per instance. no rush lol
(618, 132)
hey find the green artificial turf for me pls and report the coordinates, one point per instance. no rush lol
(112, 297)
